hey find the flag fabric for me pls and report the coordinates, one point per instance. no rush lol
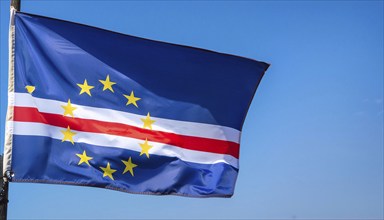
(97, 108)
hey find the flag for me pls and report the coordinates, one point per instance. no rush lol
(92, 107)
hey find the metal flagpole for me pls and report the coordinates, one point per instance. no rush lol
(16, 4)
(3, 193)
(4, 180)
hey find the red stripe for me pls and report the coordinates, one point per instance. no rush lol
(27, 114)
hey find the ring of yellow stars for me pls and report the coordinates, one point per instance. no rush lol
(107, 84)
(108, 171)
(147, 121)
(84, 158)
(30, 89)
(145, 148)
(68, 135)
(129, 166)
(132, 99)
(85, 88)
(68, 109)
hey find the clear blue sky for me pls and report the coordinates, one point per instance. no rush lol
(312, 143)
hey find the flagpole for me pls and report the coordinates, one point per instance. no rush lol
(4, 180)
(3, 193)
(16, 4)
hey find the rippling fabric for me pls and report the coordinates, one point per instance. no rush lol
(96, 108)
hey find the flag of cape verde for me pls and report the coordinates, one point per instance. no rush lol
(96, 108)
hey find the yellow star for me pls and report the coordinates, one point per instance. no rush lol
(107, 84)
(147, 121)
(84, 158)
(85, 88)
(68, 135)
(30, 89)
(68, 109)
(108, 171)
(145, 148)
(132, 99)
(129, 166)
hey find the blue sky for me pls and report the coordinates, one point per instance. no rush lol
(312, 142)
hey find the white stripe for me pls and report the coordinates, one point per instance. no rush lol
(105, 140)
(102, 114)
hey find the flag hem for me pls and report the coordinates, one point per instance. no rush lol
(8, 141)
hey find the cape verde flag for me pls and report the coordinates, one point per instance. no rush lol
(96, 108)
